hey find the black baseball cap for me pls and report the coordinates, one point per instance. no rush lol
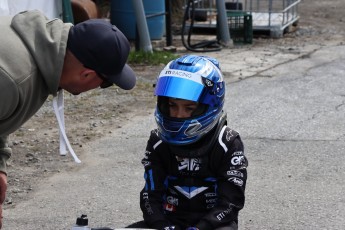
(102, 47)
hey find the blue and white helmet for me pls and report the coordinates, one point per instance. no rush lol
(194, 78)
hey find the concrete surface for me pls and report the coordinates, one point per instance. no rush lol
(289, 109)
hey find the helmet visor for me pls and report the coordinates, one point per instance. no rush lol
(179, 87)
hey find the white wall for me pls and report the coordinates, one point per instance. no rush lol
(51, 8)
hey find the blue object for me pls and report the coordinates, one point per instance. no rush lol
(193, 78)
(122, 15)
(67, 11)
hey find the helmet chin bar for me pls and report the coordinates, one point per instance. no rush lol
(202, 146)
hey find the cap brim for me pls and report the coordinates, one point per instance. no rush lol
(126, 79)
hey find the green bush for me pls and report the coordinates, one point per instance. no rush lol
(154, 58)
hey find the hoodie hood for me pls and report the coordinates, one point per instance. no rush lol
(42, 36)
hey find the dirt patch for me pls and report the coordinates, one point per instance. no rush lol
(95, 114)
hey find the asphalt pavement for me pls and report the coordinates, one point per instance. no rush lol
(288, 106)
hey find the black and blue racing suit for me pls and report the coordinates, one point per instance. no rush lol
(200, 185)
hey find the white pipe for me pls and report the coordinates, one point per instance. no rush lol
(143, 30)
(222, 24)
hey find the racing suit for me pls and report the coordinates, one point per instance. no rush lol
(200, 185)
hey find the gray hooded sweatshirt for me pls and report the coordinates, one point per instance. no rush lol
(32, 51)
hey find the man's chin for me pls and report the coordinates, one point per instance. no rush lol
(73, 92)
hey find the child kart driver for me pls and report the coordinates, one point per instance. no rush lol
(195, 167)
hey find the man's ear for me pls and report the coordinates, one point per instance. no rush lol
(88, 73)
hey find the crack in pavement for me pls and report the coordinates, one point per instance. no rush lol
(290, 140)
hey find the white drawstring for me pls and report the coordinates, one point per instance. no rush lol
(58, 105)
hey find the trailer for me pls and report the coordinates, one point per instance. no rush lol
(269, 17)
(273, 16)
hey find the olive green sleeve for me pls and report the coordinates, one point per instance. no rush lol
(5, 153)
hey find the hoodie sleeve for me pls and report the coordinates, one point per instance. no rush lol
(9, 96)
(151, 197)
(5, 153)
(230, 162)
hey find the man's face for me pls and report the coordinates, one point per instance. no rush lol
(82, 82)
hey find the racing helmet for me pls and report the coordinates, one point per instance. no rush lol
(194, 78)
